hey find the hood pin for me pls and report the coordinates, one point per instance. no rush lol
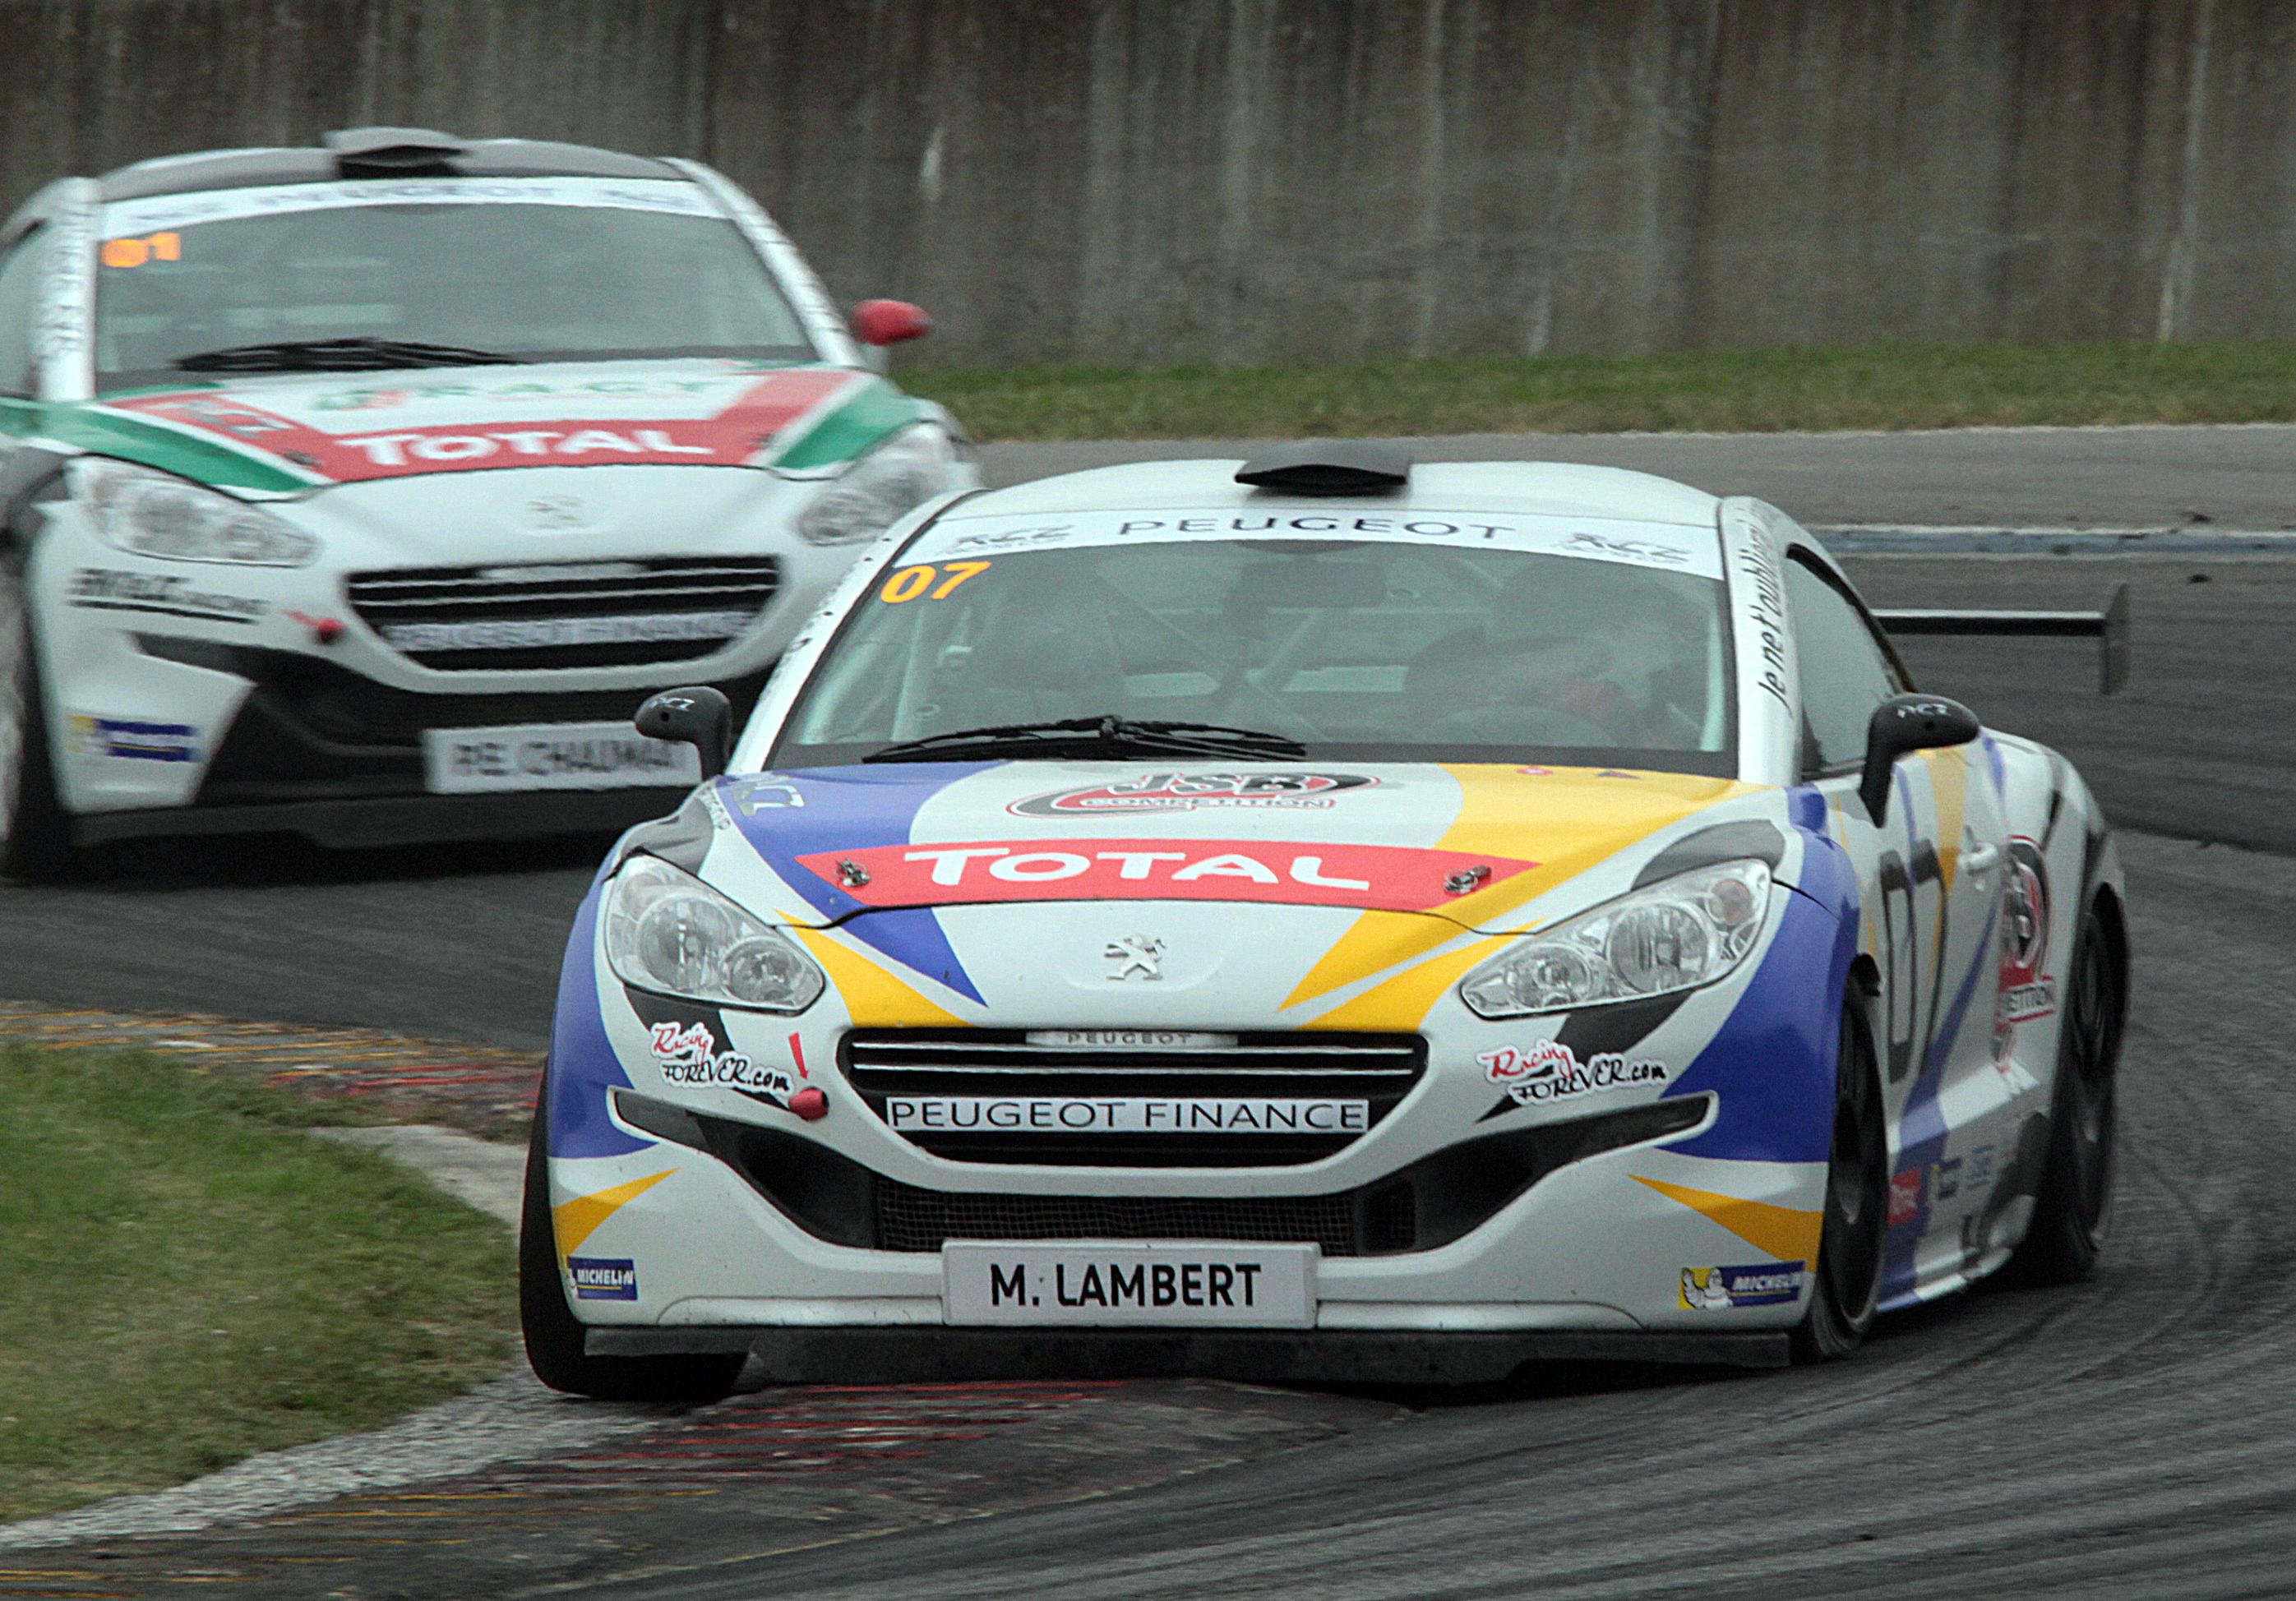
(1465, 880)
(853, 874)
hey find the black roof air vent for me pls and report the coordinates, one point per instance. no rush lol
(1329, 467)
(394, 152)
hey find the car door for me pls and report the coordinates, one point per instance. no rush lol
(1930, 878)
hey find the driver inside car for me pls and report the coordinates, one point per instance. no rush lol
(1558, 671)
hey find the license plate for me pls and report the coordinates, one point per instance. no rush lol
(551, 756)
(1186, 1285)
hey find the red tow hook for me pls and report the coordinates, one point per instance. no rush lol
(325, 631)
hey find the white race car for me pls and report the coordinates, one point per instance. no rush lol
(1323, 919)
(362, 491)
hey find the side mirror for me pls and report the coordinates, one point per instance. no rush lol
(1900, 725)
(882, 322)
(700, 717)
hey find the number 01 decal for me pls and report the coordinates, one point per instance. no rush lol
(937, 581)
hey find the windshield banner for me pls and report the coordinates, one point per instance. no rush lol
(130, 218)
(1668, 547)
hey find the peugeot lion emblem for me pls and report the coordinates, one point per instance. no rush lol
(1136, 956)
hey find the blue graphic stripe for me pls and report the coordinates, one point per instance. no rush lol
(1922, 1130)
(850, 809)
(1771, 1064)
(1806, 808)
(583, 1065)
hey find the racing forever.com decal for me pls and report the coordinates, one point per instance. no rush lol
(1166, 792)
(1366, 876)
(733, 437)
(1549, 1071)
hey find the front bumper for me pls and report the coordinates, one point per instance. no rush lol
(317, 749)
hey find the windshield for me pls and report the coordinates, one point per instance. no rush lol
(1362, 650)
(551, 269)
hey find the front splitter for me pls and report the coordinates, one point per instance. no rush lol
(1268, 1356)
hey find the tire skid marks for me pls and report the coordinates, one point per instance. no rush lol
(775, 1468)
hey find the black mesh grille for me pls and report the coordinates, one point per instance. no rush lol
(558, 615)
(909, 1219)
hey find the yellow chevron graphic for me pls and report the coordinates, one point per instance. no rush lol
(1784, 1232)
(575, 1220)
(874, 997)
(1566, 820)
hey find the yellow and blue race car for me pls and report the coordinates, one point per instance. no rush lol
(1317, 917)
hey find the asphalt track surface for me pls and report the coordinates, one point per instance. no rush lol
(2129, 1437)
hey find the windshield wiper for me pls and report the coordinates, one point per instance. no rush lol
(1097, 736)
(361, 354)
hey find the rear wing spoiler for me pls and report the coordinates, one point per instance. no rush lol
(2109, 627)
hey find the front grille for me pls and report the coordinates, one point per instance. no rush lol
(974, 1066)
(1380, 1220)
(557, 615)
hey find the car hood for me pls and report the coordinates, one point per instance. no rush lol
(1478, 846)
(289, 435)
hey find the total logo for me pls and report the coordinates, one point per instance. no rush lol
(1368, 877)
(438, 449)
(730, 437)
(1164, 792)
(1550, 1070)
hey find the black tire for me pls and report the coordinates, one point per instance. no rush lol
(553, 1339)
(1846, 1280)
(35, 835)
(2072, 1208)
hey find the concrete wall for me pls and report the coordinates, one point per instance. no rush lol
(1177, 180)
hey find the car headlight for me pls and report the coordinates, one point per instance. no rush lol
(665, 930)
(1674, 935)
(158, 514)
(899, 475)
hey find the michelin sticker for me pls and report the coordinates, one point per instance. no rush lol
(1764, 1284)
(134, 738)
(603, 1278)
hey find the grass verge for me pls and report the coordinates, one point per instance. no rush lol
(1872, 386)
(187, 1278)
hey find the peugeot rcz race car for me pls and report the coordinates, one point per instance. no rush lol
(361, 491)
(1323, 919)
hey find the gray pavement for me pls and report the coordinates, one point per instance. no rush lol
(2044, 478)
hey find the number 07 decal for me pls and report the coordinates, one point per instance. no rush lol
(910, 582)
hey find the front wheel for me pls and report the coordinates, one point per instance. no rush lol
(1845, 1282)
(35, 838)
(554, 1337)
